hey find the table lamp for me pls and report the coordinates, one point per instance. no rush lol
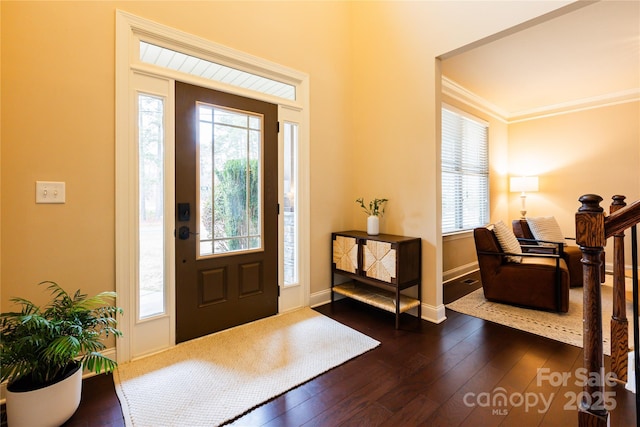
(522, 185)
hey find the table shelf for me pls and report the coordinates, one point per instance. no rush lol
(377, 297)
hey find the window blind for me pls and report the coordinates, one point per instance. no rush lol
(465, 172)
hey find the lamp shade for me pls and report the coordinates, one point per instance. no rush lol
(523, 183)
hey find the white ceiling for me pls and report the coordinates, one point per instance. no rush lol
(590, 55)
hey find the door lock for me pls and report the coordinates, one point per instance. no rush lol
(184, 212)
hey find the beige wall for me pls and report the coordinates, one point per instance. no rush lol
(592, 151)
(373, 118)
(396, 106)
(58, 87)
(595, 151)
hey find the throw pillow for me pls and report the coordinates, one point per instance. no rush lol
(546, 228)
(508, 241)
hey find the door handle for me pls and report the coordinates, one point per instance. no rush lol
(183, 232)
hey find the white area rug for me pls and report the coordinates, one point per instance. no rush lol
(216, 378)
(564, 327)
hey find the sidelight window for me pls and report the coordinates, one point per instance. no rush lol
(291, 245)
(151, 273)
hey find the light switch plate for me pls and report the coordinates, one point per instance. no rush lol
(50, 192)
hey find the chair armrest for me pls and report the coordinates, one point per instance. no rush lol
(522, 239)
(539, 249)
(536, 241)
(526, 254)
(525, 240)
(557, 248)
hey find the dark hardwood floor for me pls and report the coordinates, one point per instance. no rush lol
(421, 374)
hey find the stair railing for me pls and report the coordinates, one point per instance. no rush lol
(619, 322)
(593, 228)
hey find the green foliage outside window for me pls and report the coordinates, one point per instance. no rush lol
(230, 205)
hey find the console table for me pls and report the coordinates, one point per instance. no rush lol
(379, 267)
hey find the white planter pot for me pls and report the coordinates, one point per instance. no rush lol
(50, 406)
(373, 225)
(631, 373)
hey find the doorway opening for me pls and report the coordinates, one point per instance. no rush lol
(145, 170)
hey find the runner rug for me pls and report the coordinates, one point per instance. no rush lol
(564, 327)
(211, 380)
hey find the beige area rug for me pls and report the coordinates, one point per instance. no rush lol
(564, 327)
(216, 378)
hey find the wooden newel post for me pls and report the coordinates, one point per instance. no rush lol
(591, 239)
(619, 323)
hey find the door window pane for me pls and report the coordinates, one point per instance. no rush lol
(151, 298)
(229, 150)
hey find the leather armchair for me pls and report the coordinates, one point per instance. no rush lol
(571, 254)
(540, 281)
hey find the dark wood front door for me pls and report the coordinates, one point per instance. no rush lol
(226, 212)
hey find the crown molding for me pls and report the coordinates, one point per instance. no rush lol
(462, 94)
(631, 95)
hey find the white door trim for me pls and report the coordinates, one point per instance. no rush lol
(130, 29)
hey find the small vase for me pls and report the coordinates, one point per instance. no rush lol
(373, 225)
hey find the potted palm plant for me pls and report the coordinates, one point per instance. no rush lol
(43, 352)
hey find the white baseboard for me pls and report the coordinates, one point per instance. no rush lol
(320, 298)
(433, 314)
(460, 271)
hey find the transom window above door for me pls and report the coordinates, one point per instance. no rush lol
(178, 61)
